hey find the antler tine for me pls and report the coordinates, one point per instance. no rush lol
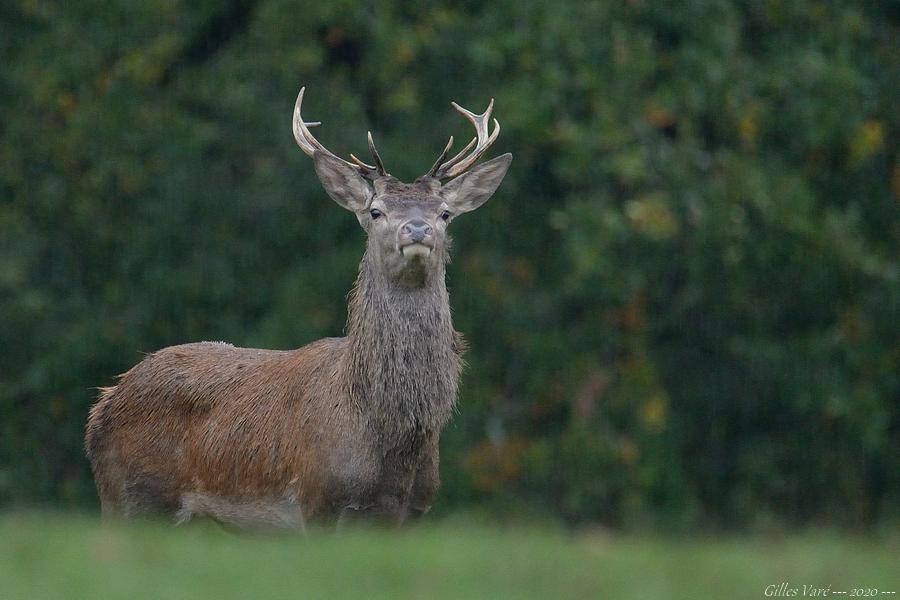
(375, 154)
(483, 140)
(307, 142)
(479, 121)
(440, 159)
(310, 145)
(460, 154)
(379, 166)
(360, 164)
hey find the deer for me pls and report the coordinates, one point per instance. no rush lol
(341, 428)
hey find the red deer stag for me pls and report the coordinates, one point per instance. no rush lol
(263, 438)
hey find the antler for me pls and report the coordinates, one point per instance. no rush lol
(463, 161)
(309, 144)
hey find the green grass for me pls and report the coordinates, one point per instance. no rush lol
(54, 556)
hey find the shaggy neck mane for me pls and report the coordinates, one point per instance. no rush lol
(402, 358)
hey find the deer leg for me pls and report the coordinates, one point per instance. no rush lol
(108, 510)
(385, 511)
(387, 503)
(146, 496)
(426, 481)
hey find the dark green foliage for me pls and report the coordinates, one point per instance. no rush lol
(682, 305)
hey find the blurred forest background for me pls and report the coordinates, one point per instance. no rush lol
(682, 304)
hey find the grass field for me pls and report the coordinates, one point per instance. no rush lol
(53, 556)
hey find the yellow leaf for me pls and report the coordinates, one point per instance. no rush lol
(650, 215)
(866, 141)
(654, 412)
(748, 127)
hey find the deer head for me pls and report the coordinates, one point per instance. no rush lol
(406, 223)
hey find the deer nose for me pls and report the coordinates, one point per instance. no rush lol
(416, 230)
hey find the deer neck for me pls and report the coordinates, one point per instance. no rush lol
(402, 361)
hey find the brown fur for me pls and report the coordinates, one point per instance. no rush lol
(278, 438)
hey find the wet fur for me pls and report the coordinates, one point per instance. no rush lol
(342, 423)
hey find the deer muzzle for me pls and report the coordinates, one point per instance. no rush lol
(416, 236)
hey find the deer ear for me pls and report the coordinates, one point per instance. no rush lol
(342, 182)
(473, 188)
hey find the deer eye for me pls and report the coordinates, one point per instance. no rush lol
(375, 213)
(445, 215)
